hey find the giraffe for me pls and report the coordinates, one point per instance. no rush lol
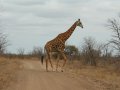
(58, 45)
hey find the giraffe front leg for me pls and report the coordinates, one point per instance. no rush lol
(65, 60)
(57, 64)
(57, 61)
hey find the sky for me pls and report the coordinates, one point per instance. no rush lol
(32, 23)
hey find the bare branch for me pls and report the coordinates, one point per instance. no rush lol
(3, 43)
(114, 25)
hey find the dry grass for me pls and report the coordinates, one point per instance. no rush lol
(108, 75)
(8, 69)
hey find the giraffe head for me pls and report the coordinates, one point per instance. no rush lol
(79, 23)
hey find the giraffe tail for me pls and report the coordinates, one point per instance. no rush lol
(42, 57)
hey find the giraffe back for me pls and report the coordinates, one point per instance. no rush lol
(55, 45)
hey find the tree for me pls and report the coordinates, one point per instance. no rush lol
(71, 51)
(90, 51)
(106, 50)
(37, 51)
(21, 52)
(3, 43)
(114, 25)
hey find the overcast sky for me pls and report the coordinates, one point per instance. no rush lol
(30, 23)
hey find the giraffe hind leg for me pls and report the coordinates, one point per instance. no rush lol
(49, 58)
(47, 61)
(47, 65)
(57, 64)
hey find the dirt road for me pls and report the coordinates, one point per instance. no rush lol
(34, 77)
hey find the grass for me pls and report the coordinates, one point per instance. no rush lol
(8, 70)
(107, 75)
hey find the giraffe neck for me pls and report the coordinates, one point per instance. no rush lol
(69, 32)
